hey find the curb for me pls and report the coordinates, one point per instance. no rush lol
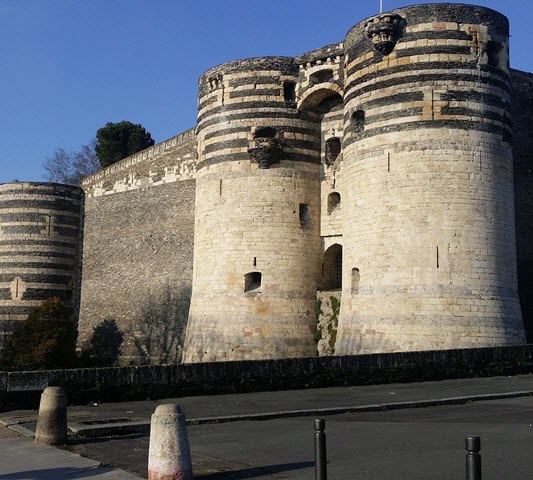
(143, 427)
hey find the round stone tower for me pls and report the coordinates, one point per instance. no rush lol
(257, 216)
(428, 215)
(40, 231)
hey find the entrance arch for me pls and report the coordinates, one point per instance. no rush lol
(332, 268)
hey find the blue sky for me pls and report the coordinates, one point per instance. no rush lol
(70, 66)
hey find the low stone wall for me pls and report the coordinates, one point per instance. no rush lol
(106, 384)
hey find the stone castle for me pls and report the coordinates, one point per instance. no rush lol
(381, 175)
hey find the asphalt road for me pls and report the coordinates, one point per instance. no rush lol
(411, 444)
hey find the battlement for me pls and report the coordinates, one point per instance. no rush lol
(172, 160)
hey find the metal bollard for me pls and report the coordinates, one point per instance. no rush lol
(473, 458)
(321, 468)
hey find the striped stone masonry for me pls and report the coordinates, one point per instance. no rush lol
(256, 229)
(428, 213)
(398, 141)
(40, 240)
(374, 174)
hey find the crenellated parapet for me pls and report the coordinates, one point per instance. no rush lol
(172, 160)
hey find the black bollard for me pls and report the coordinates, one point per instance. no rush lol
(473, 458)
(321, 469)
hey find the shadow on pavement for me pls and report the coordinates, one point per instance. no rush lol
(255, 471)
(55, 473)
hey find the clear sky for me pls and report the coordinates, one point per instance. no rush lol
(70, 66)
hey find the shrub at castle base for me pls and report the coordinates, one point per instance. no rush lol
(46, 340)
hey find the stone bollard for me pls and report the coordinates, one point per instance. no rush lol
(169, 457)
(52, 419)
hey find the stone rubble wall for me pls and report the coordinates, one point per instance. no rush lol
(327, 311)
(138, 248)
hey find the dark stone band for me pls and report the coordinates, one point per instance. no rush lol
(427, 124)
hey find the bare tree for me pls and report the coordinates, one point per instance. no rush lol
(164, 319)
(86, 161)
(71, 167)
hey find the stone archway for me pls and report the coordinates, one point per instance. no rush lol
(332, 268)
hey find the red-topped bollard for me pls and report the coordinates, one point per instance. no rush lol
(169, 456)
(52, 419)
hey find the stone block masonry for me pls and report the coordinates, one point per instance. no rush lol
(40, 240)
(429, 214)
(256, 224)
(523, 184)
(377, 171)
(138, 248)
(410, 121)
(166, 381)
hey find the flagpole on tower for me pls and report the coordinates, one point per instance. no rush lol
(380, 6)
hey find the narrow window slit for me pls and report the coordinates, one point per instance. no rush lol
(358, 121)
(333, 149)
(305, 216)
(356, 277)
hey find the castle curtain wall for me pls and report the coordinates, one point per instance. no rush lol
(138, 247)
(523, 181)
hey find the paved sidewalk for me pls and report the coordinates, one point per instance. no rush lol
(21, 459)
(103, 419)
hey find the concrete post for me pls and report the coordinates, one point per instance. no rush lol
(52, 419)
(169, 457)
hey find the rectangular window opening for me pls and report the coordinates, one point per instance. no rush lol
(305, 215)
(356, 277)
(252, 282)
(289, 91)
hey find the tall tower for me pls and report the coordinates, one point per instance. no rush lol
(257, 216)
(428, 216)
(40, 246)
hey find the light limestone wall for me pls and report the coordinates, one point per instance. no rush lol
(428, 204)
(247, 220)
(331, 125)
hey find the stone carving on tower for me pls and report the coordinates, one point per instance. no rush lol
(265, 151)
(384, 31)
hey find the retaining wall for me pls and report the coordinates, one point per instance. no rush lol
(256, 375)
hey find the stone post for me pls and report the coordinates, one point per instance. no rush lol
(169, 456)
(52, 419)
